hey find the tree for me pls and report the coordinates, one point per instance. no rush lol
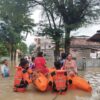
(9, 38)
(74, 13)
(22, 47)
(56, 35)
(3, 50)
(15, 15)
(52, 26)
(31, 48)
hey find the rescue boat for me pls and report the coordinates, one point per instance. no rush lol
(74, 82)
(77, 82)
(51, 69)
(40, 82)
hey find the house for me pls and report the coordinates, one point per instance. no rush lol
(46, 45)
(44, 42)
(82, 48)
(95, 37)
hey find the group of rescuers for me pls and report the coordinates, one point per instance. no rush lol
(26, 70)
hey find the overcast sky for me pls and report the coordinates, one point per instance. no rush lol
(88, 31)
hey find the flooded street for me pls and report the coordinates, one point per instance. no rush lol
(92, 74)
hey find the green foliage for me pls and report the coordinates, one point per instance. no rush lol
(77, 12)
(15, 15)
(73, 14)
(3, 50)
(31, 48)
(52, 26)
(22, 47)
(56, 34)
(9, 37)
(8, 34)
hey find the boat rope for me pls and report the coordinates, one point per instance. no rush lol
(55, 97)
(60, 92)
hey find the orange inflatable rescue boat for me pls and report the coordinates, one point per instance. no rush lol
(74, 82)
(40, 81)
(77, 82)
(51, 69)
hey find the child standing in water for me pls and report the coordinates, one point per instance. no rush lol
(5, 69)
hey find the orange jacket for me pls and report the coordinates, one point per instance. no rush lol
(60, 79)
(21, 74)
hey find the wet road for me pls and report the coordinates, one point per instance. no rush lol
(93, 75)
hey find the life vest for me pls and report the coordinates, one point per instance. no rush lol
(59, 81)
(20, 78)
(50, 78)
(52, 69)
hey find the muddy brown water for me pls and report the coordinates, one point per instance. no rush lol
(91, 74)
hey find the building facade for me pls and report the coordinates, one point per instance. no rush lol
(82, 48)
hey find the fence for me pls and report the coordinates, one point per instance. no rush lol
(87, 63)
(2, 58)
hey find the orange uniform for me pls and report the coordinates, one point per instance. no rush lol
(21, 79)
(59, 80)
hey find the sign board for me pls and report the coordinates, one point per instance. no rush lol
(93, 55)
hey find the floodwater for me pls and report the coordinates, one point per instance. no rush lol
(92, 75)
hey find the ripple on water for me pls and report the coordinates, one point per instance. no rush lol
(94, 80)
(92, 77)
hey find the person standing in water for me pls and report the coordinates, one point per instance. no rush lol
(70, 65)
(5, 72)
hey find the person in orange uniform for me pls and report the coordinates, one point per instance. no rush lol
(59, 79)
(22, 77)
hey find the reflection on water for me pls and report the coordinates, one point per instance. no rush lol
(93, 75)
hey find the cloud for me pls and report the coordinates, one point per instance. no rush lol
(88, 31)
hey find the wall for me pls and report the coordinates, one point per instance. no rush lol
(49, 55)
(80, 53)
(2, 58)
(80, 47)
(87, 63)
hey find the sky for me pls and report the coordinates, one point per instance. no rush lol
(88, 30)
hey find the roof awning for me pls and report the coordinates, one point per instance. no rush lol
(95, 38)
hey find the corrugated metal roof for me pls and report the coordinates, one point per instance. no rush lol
(96, 37)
